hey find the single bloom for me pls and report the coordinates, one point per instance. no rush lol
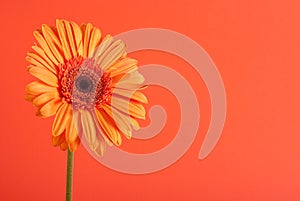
(87, 82)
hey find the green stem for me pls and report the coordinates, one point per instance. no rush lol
(69, 176)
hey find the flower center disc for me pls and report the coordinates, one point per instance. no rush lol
(84, 84)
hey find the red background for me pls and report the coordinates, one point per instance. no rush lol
(255, 45)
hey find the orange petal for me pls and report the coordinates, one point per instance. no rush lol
(45, 98)
(78, 38)
(134, 95)
(132, 78)
(127, 86)
(74, 145)
(49, 33)
(100, 148)
(53, 42)
(106, 42)
(36, 88)
(77, 122)
(110, 55)
(63, 39)
(64, 146)
(94, 41)
(139, 96)
(44, 75)
(87, 34)
(99, 145)
(71, 38)
(71, 133)
(37, 60)
(99, 129)
(130, 81)
(135, 124)
(92, 134)
(126, 65)
(109, 127)
(88, 126)
(134, 109)
(29, 97)
(45, 46)
(62, 118)
(49, 109)
(58, 140)
(121, 121)
(50, 66)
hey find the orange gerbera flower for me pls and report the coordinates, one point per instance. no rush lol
(88, 83)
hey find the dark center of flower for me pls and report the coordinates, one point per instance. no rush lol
(83, 83)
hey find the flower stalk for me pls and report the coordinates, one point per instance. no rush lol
(69, 182)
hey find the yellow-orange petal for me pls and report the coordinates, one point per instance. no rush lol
(140, 97)
(106, 42)
(36, 60)
(64, 146)
(78, 38)
(92, 135)
(132, 78)
(88, 126)
(41, 40)
(58, 140)
(134, 109)
(134, 95)
(86, 38)
(45, 98)
(49, 109)
(63, 39)
(99, 145)
(94, 41)
(44, 75)
(135, 124)
(36, 88)
(77, 122)
(53, 42)
(113, 53)
(71, 38)
(130, 81)
(126, 65)
(29, 97)
(71, 132)
(128, 86)
(121, 121)
(74, 145)
(50, 66)
(49, 33)
(62, 118)
(109, 127)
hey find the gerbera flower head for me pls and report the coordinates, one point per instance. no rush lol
(88, 83)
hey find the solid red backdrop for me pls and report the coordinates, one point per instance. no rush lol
(255, 45)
